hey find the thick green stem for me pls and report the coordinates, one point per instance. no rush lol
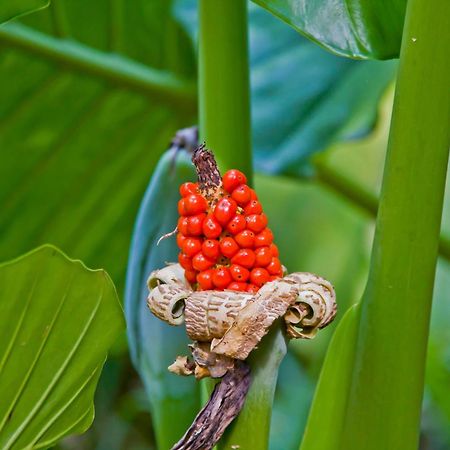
(224, 104)
(385, 401)
(224, 87)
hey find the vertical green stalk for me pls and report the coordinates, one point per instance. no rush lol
(224, 104)
(383, 410)
(224, 85)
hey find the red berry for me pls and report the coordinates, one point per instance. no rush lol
(190, 275)
(185, 261)
(232, 179)
(205, 279)
(182, 225)
(195, 224)
(225, 210)
(256, 222)
(242, 194)
(221, 278)
(200, 262)
(253, 194)
(245, 258)
(228, 247)
(245, 239)
(259, 276)
(252, 288)
(274, 250)
(264, 238)
(195, 204)
(263, 256)
(274, 268)
(188, 188)
(180, 240)
(254, 207)
(236, 224)
(211, 228)
(239, 273)
(182, 207)
(211, 248)
(191, 246)
(237, 286)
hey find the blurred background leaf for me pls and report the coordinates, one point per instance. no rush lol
(13, 8)
(353, 28)
(58, 320)
(92, 101)
(154, 344)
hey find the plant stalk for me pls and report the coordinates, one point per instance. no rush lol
(224, 86)
(384, 406)
(225, 125)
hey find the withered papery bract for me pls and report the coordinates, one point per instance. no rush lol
(232, 323)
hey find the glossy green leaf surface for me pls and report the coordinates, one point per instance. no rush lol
(58, 320)
(99, 90)
(9, 9)
(353, 28)
(154, 345)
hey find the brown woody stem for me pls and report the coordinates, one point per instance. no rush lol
(224, 405)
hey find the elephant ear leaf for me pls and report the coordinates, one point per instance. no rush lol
(9, 9)
(355, 28)
(154, 344)
(57, 321)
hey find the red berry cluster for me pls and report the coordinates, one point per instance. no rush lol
(226, 245)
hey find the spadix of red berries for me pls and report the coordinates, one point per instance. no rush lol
(223, 237)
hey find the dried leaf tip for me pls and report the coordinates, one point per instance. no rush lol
(209, 178)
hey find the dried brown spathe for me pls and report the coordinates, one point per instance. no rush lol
(233, 323)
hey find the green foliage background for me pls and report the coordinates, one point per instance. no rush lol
(92, 92)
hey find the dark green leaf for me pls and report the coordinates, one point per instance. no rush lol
(354, 28)
(154, 344)
(99, 89)
(58, 320)
(13, 8)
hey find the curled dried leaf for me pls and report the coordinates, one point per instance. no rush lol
(235, 322)
(182, 366)
(254, 320)
(209, 314)
(168, 294)
(216, 366)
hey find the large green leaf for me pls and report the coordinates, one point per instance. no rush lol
(99, 89)
(13, 8)
(58, 320)
(354, 28)
(154, 345)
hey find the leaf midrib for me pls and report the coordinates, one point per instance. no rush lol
(111, 67)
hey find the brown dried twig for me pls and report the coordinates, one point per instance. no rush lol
(224, 405)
